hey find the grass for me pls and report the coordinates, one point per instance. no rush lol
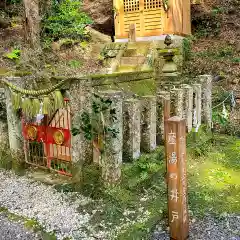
(213, 185)
(29, 224)
(214, 178)
(133, 208)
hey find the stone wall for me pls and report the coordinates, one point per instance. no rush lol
(3, 119)
(140, 120)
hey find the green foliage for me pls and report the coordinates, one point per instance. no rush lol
(217, 10)
(13, 55)
(140, 173)
(218, 118)
(5, 158)
(214, 178)
(66, 20)
(14, 1)
(223, 52)
(74, 63)
(186, 48)
(199, 143)
(208, 24)
(236, 60)
(92, 124)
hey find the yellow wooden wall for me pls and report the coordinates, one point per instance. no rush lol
(176, 21)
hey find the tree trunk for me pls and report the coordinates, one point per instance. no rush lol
(4, 23)
(3, 4)
(32, 23)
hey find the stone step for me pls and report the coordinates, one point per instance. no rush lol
(126, 68)
(137, 45)
(132, 61)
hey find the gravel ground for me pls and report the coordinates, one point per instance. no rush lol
(225, 228)
(52, 209)
(59, 212)
(11, 230)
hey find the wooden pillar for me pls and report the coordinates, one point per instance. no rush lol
(148, 123)
(80, 101)
(163, 106)
(131, 129)
(112, 156)
(188, 106)
(177, 102)
(206, 81)
(197, 102)
(176, 178)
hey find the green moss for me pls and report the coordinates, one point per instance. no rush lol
(98, 76)
(141, 88)
(30, 224)
(176, 51)
(5, 159)
(214, 181)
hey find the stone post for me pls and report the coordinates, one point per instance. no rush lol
(131, 129)
(170, 75)
(188, 106)
(112, 156)
(197, 109)
(148, 123)
(3, 121)
(14, 122)
(162, 96)
(206, 81)
(177, 102)
(80, 101)
(132, 33)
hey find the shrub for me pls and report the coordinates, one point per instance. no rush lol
(65, 20)
(13, 1)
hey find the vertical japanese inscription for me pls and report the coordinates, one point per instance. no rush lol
(176, 172)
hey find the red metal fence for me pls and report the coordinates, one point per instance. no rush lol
(47, 141)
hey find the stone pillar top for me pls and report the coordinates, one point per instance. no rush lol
(112, 93)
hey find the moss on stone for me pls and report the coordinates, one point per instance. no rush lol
(31, 224)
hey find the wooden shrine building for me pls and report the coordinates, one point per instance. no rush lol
(152, 18)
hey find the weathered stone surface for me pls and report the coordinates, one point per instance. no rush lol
(14, 121)
(148, 123)
(197, 102)
(112, 157)
(188, 106)
(206, 81)
(177, 102)
(101, 13)
(3, 120)
(161, 96)
(80, 101)
(131, 129)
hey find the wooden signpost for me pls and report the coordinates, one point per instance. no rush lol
(176, 178)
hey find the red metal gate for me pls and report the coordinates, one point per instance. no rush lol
(47, 142)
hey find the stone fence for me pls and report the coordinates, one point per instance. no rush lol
(140, 120)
